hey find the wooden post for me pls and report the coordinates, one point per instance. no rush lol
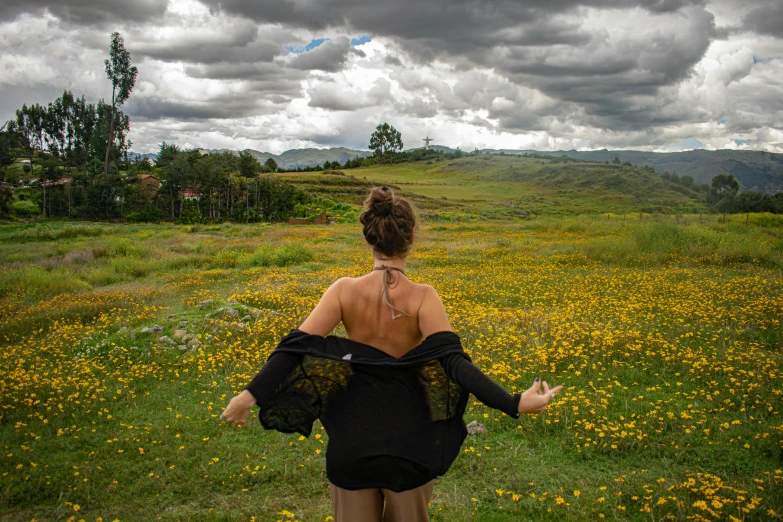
(640, 216)
(699, 217)
(747, 217)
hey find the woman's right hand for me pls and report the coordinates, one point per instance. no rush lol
(535, 399)
(238, 409)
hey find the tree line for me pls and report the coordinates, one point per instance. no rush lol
(77, 165)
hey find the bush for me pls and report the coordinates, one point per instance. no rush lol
(281, 256)
(146, 215)
(25, 208)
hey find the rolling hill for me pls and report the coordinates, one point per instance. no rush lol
(754, 170)
(504, 187)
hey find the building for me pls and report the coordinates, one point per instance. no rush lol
(149, 182)
(64, 181)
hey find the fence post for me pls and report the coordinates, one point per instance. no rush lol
(747, 217)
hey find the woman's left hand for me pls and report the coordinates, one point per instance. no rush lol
(238, 409)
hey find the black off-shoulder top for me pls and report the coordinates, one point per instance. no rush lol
(393, 423)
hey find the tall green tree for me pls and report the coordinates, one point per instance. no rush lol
(385, 141)
(8, 139)
(271, 164)
(249, 167)
(123, 78)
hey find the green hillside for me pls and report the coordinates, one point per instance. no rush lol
(503, 187)
(754, 170)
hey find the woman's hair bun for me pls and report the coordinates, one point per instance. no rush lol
(381, 201)
(388, 221)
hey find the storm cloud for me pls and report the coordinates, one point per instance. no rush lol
(538, 74)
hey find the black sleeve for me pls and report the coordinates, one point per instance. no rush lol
(271, 376)
(467, 375)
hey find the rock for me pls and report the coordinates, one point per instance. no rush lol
(178, 334)
(152, 329)
(232, 301)
(255, 312)
(157, 328)
(205, 303)
(186, 338)
(476, 427)
(172, 316)
(183, 324)
(228, 311)
(182, 347)
(167, 339)
(239, 326)
(247, 318)
(123, 329)
(194, 343)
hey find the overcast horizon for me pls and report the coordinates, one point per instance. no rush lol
(660, 75)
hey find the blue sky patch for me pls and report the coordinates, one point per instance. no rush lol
(298, 49)
(722, 121)
(359, 40)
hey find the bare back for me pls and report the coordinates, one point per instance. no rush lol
(368, 318)
(360, 304)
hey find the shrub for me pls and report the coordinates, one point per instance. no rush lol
(25, 208)
(281, 256)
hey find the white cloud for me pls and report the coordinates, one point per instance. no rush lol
(580, 77)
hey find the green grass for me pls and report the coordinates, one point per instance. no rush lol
(641, 320)
(510, 187)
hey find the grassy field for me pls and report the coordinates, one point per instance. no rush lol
(666, 335)
(502, 187)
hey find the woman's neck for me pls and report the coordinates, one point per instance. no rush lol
(394, 262)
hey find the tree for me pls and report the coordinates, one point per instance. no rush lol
(8, 140)
(385, 141)
(724, 183)
(249, 167)
(271, 164)
(123, 77)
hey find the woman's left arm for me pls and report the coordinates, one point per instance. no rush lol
(328, 313)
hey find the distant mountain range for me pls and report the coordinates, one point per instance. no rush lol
(754, 170)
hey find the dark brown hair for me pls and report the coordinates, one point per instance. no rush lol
(388, 222)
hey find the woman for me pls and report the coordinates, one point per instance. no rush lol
(392, 396)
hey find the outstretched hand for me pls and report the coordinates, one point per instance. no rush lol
(536, 398)
(238, 409)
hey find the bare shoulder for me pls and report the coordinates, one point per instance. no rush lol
(427, 291)
(429, 298)
(432, 313)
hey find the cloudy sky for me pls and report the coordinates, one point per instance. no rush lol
(538, 74)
